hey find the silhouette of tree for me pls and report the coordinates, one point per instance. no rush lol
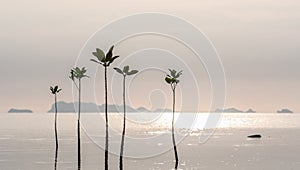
(77, 73)
(125, 72)
(172, 79)
(105, 61)
(55, 90)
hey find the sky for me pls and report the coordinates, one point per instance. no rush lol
(258, 43)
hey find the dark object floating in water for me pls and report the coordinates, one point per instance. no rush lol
(254, 136)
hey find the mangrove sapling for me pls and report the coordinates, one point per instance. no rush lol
(105, 60)
(172, 79)
(55, 90)
(78, 74)
(125, 72)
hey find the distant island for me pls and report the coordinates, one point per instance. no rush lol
(233, 110)
(250, 111)
(20, 111)
(284, 111)
(65, 107)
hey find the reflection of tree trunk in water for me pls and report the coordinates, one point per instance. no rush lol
(79, 151)
(55, 161)
(124, 127)
(106, 121)
(78, 127)
(173, 135)
(56, 139)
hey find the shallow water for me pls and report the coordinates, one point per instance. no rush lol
(27, 142)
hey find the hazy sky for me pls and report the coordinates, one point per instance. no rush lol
(258, 42)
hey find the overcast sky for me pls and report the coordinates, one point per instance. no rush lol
(258, 42)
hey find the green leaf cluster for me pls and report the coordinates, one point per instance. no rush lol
(77, 73)
(55, 89)
(172, 78)
(104, 59)
(125, 71)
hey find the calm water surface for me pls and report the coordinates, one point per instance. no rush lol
(27, 140)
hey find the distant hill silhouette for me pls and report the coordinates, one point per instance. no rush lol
(142, 109)
(234, 110)
(20, 111)
(250, 111)
(229, 110)
(92, 107)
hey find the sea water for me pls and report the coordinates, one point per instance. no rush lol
(27, 141)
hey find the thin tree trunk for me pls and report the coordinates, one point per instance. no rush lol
(79, 99)
(55, 161)
(106, 121)
(56, 138)
(55, 124)
(78, 126)
(173, 135)
(124, 127)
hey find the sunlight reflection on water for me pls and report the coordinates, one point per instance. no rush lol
(235, 120)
